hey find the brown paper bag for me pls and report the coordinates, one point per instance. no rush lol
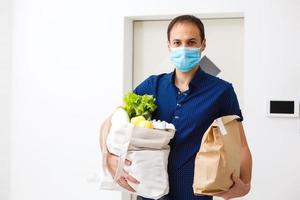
(218, 158)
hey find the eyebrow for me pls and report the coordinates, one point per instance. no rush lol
(187, 39)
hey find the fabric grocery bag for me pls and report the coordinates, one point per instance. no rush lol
(148, 150)
(218, 158)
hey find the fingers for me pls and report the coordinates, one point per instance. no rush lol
(123, 183)
(226, 195)
(112, 161)
(235, 178)
(111, 158)
(220, 194)
(127, 162)
(238, 189)
(129, 178)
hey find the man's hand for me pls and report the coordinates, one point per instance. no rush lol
(112, 164)
(238, 189)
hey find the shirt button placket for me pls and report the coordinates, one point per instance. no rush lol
(178, 105)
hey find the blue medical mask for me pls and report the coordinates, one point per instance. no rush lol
(185, 58)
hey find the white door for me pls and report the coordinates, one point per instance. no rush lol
(224, 47)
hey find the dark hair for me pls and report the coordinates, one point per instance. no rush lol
(187, 18)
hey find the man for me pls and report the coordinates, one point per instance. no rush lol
(190, 99)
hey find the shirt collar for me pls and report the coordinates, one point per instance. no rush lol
(195, 80)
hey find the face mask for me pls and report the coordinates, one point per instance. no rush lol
(185, 58)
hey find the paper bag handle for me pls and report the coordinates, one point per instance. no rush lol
(221, 126)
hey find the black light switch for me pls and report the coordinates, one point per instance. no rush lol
(282, 107)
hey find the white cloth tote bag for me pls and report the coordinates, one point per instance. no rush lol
(148, 150)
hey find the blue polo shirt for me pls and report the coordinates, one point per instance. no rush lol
(191, 112)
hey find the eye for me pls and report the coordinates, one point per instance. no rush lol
(191, 43)
(176, 43)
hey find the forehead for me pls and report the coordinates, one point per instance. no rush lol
(184, 30)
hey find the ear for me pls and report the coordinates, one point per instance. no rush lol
(203, 46)
(168, 42)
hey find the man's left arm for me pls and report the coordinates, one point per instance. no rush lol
(246, 159)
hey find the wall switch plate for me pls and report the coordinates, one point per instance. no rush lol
(283, 108)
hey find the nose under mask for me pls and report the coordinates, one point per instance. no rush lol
(185, 58)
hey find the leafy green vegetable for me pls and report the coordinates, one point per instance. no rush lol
(136, 105)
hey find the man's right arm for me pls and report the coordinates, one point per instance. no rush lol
(112, 160)
(104, 130)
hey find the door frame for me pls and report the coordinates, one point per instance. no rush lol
(128, 46)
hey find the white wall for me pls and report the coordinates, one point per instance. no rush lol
(5, 84)
(272, 70)
(67, 76)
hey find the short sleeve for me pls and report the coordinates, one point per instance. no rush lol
(145, 87)
(230, 104)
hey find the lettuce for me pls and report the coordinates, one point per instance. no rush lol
(136, 105)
